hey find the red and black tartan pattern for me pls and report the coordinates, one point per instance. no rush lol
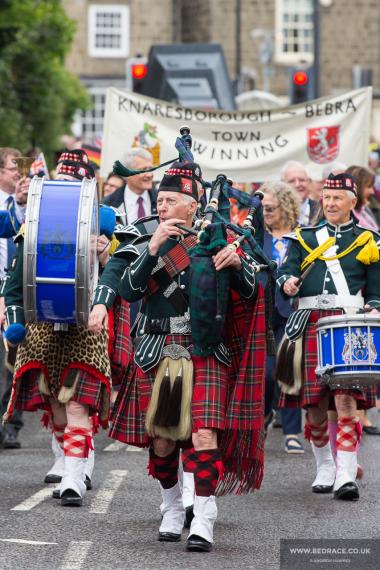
(89, 392)
(176, 260)
(207, 467)
(208, 404)
(164, 469)
(240, 419)
(313, 391)
(121, 346)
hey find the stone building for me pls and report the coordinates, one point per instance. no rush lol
(259, 46)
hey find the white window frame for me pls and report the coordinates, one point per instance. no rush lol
(119, 52)
(291, 57)
(93, 116)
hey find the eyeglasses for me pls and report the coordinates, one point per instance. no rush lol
(270, 209)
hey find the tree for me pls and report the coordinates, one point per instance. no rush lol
(38, 97)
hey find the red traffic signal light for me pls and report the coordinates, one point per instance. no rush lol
(139, 70)
(300, 77)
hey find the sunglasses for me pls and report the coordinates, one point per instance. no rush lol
(270, 209)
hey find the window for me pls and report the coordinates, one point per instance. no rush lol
(108, 30)
(91, 121)
(294, 31)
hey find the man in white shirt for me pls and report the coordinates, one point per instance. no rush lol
(295, 174)
(9, 176)
(136, 199)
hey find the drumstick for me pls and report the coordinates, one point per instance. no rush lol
(304, 275)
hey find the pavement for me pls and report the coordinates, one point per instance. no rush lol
(117, 526)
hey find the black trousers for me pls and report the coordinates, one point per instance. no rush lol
(6, 378)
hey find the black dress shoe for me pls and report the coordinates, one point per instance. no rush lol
(10, 441)
(56, 494)
(51, 478)
(371, 430)
(322, 488)
(347, 492)
(169, 537)
(71, 499)
(196, 543)
(189, 516)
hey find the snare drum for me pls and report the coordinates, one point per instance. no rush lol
(349, 350)
(60, 260)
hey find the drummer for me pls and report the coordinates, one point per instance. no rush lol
(62, 369)
(344, 277)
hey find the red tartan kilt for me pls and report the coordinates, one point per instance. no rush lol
(208, 405)
(312, 390)
(89, 392)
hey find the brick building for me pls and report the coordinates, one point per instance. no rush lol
(270, 37)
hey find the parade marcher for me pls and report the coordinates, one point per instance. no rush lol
(62, 370)
(344, 278)
(13, 193)
(153, 406)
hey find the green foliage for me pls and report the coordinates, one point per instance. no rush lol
(38, 97)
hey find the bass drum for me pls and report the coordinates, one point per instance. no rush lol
(60, 258)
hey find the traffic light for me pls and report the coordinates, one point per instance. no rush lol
(301, 84)
(137, 68)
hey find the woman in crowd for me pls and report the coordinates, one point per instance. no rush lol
(281, 210)
(365, 180)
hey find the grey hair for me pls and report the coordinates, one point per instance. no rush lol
(130, 155)
(293, 164)
(188, 199)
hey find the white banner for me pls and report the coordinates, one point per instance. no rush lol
(247, 146)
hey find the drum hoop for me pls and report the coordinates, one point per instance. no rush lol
(83, 294)
(30, 248)
(334, 321)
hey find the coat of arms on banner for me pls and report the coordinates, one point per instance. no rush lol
(323, 144)
(362, 347)
(147, 138)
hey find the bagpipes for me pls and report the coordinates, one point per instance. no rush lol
(209, 289)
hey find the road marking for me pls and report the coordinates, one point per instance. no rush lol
(76, 555)
(34, 500)
(105, 495)
(115, 446)
(21, 541)
(133, 448)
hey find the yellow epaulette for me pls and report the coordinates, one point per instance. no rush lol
(368, 254)
(114, 244)
(21, 234)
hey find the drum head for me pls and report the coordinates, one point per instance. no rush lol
(60, 259)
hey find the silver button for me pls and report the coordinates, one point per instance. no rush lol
(141, 332)
(133, 271)
(327, 279)
(338, 235)
(182, 272)
(325, 290)
(150, 354)
(138, 352)
(182, 286)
